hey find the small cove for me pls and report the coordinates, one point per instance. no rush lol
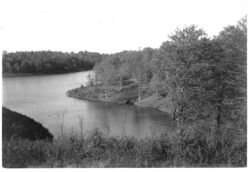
(44, 99)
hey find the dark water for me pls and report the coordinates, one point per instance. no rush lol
(44, 99)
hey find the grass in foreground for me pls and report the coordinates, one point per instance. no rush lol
(98, 150)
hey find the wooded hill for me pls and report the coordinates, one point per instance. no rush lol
(204, 78)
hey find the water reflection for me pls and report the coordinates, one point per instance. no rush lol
(43, 98)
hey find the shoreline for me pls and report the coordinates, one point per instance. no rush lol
(39, 74)
(96, 95)
(123, 96)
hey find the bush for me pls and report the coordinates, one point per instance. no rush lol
(96, 150)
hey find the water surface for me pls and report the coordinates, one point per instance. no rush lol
(44, 99)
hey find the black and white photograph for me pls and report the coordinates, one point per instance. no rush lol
(124, 83)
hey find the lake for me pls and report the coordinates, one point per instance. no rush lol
(44, 99)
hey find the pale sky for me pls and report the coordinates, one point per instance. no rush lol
(107, 26)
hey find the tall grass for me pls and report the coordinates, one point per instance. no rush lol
(98, 150)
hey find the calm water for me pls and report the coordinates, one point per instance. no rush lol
(44, 99)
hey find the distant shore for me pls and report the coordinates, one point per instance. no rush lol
(39, 74)
(19, 74)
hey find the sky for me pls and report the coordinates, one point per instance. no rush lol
(107, 26)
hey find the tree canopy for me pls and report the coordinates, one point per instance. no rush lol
(48, 62)
(204, 78)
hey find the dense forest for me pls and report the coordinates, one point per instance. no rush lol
(203, 78)
(48, 62)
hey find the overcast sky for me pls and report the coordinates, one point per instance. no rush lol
(108, 26)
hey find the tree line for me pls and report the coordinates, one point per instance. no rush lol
(48, 62)
(205, 78)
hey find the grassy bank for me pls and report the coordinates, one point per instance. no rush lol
(127, 94)
(97, 150)
(122, 95)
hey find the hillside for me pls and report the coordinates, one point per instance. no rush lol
(16, 125)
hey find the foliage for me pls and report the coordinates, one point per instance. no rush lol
(233, 39)
(97, 150)
(204, 78)
(48, 62)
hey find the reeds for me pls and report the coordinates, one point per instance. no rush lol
(98, 150)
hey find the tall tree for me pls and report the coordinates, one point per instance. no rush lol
(233, 40)
(105, 72)
(179, 58)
